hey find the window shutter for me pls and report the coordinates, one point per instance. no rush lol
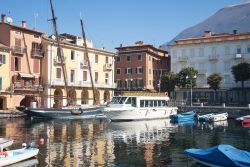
(3, 59)
(136, 70)
(12, 63)
(125, 70)
(19, 63)
(0, 83)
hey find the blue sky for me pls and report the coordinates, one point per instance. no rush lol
(109, 23)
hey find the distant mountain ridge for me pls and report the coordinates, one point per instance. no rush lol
(234, 17)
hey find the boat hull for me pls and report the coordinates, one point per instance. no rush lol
(133, 114)
(95, 112)
(218, 117)
(5, 142)
(15, 156)
(184, 116)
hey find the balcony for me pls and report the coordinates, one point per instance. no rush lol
(27, 86)
(84, 65)
(18, 50)
(107, 67)
(57, 60)
(37, 53)
(183, 59)
(213, 57)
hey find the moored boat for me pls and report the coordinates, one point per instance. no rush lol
(218, 117)
(244, 119)
(184, 116)
(139, 106)
(204, 118)
(221, 155)
(5, 142)
(14, 156)
(66, 113)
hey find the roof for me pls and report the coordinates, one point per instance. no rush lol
(23, 28)
(143, 45)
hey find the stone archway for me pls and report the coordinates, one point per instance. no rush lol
(72, 97)
(84, 97)
(106, 96)
(97, 97)
(26, 101)
(58, 98)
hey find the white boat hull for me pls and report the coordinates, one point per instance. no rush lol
(5, 142)
(15, 156)
(131, 114)
(218, 117)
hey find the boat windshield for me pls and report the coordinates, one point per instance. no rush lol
(118, 100)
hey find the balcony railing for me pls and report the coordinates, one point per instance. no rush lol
(183, 59)
(37, 53)
(213, 57)
(107, 67)
(27, 87)
(18, 50)
(57, 60)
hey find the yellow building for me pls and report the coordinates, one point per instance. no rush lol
(76, 71)
(5, 97)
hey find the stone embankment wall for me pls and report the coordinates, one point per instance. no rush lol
(233, 112)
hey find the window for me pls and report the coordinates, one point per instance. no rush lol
(17, 64)
(96, 58)
(149, 71)
(139, 70)
(118, 83)
(201, 52)
(2, 59)
(72, 75)
(36, 46)
(107, 59)
(36, 36)
(96, 77)
(106, 78)
(118, 58)
(118, 71)
(149, 58)
(1, 83)
(248, 49)
(18, 44)
(58, 73)
(139, 57)
(227, 50)
(238, 50)
(133, 99)
(85, 75)
(72, 57)
(128, 101)
(128, 70)
(192, 53)
(128, 58)
(139, 83)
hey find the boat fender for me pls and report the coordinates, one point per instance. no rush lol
(4, 153)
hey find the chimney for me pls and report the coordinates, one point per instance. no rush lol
(235, 31)
(3, 18)
(24, 24)
(208, 33)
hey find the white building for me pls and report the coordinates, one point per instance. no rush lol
(212, 53)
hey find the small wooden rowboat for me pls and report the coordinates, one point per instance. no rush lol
(14, 156)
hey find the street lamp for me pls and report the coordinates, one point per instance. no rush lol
(191, 89)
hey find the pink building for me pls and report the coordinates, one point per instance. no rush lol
(25, 62)
(140, 66)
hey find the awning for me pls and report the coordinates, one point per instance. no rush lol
(26, 75)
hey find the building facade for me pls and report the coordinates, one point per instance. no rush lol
(77, 72)
(212, 53)
(25, 59)
(5, 94)
(140, 66)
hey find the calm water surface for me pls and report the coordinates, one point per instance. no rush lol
(100, 143)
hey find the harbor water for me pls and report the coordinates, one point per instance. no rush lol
(102, 143)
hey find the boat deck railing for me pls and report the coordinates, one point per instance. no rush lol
(177, 103)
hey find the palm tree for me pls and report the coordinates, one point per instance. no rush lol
(214, 81)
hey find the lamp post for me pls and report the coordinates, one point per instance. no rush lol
(191, 89)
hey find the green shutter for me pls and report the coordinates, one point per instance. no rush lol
(0, 83)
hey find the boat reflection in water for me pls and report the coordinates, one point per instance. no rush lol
(141, 131)
(213, 125)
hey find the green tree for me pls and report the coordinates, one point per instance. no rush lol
(214, 81)
(241, 73)
(168, 82)
(184, 81)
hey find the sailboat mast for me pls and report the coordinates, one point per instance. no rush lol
(59, 50)
(86, 53)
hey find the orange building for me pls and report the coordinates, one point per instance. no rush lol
(26, 55)
(140, 66)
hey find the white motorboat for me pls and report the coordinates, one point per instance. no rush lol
(5, 142)
(218, 117)
(204, 118)
(14, 156)
(143, 106)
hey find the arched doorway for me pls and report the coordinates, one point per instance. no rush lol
(72, 97)
(106, 96)
(97, 97)
(84, 97)
(27, 100)
(58, 98)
